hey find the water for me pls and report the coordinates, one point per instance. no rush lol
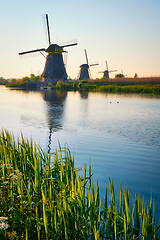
(120, 133)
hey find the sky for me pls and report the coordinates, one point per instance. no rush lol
(125, 33)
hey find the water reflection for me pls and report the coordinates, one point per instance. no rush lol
(122, 140)
(55, 106)
(83, 95)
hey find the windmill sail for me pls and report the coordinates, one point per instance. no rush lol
(49, 39)
(32, 51)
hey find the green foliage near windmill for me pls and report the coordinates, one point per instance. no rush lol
(119, 75)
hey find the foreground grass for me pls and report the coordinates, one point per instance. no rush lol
(45, 199)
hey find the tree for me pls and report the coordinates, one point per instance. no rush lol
(135, 75)
(13, 80)
(25, 79)
(3, 81)
(119, 75)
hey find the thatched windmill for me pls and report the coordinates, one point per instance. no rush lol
(84, 72)
(54, 67)
(106, 72)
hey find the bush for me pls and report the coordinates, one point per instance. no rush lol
(74, 85)
(80, 84)
(59, 84)
(119, 75)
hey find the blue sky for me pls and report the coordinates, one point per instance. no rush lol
(125, 33)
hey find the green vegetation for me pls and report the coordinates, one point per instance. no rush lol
(135, 75)
(3, 81)
(43, 196)
(119, 75)
(21, 83)
(129, 85)
(110, 87)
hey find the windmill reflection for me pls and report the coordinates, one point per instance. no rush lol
(55, 101)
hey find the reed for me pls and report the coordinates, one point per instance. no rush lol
(43, 196)
(111, 86)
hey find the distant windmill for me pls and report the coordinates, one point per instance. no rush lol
(54, 67)
(122, 73)
(106, 72)
(84, 69)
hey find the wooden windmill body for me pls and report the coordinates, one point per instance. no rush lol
(84, 72)
(54, 66)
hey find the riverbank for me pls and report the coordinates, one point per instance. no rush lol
(43, 196)
(117, 85)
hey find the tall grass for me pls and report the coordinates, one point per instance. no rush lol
(111, 87)
(43, 196)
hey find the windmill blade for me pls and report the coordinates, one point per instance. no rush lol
(94, 64)
(32, 51)
(49, 39)
(86, 55)
(106, 65)
(101, 71)
(69, 45)
(113, 71)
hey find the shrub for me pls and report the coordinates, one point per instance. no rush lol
(119, 75)
(59, 84)
(80, 84)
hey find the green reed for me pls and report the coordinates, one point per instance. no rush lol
(44, 196)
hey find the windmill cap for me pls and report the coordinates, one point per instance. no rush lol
(84, 66)
(54, 48)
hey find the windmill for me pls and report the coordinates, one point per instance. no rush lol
(106, 72)
(122, 73)
(84, 69)
(54, 66)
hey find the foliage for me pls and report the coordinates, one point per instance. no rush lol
(83, 81)
(80, 84)
(3, 81)
(119, 75)
(135, 75)
(35, 78)
(22, 82)
(60, 84)
(16, 84)
(129, 85)
(13, 80)
(24, 79)
(43, 196)
(74, 86)
(111, 87)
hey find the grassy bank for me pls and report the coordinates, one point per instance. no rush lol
(123, 85)
(21, 83)
(43, 196)
(111, 87)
